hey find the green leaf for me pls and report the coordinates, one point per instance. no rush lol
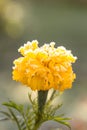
(52, 96)
(13, 105)
(50, 110)
(23, 125)
(6, 114)
(62, 121)
(20, 121)
(15, 118)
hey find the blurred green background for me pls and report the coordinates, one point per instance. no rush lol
(61, 21)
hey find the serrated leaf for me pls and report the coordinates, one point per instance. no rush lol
(62, 121)
(15, 118)
(13, 105)
(23, 126)
(50, 110)
(6, 114)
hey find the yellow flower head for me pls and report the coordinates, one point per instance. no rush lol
(45, 67)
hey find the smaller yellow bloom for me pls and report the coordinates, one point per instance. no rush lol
(45, 67)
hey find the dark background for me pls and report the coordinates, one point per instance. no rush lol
(61, 21)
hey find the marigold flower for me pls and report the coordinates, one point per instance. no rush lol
(45, 67)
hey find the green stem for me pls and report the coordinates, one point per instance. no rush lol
(42, 97)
